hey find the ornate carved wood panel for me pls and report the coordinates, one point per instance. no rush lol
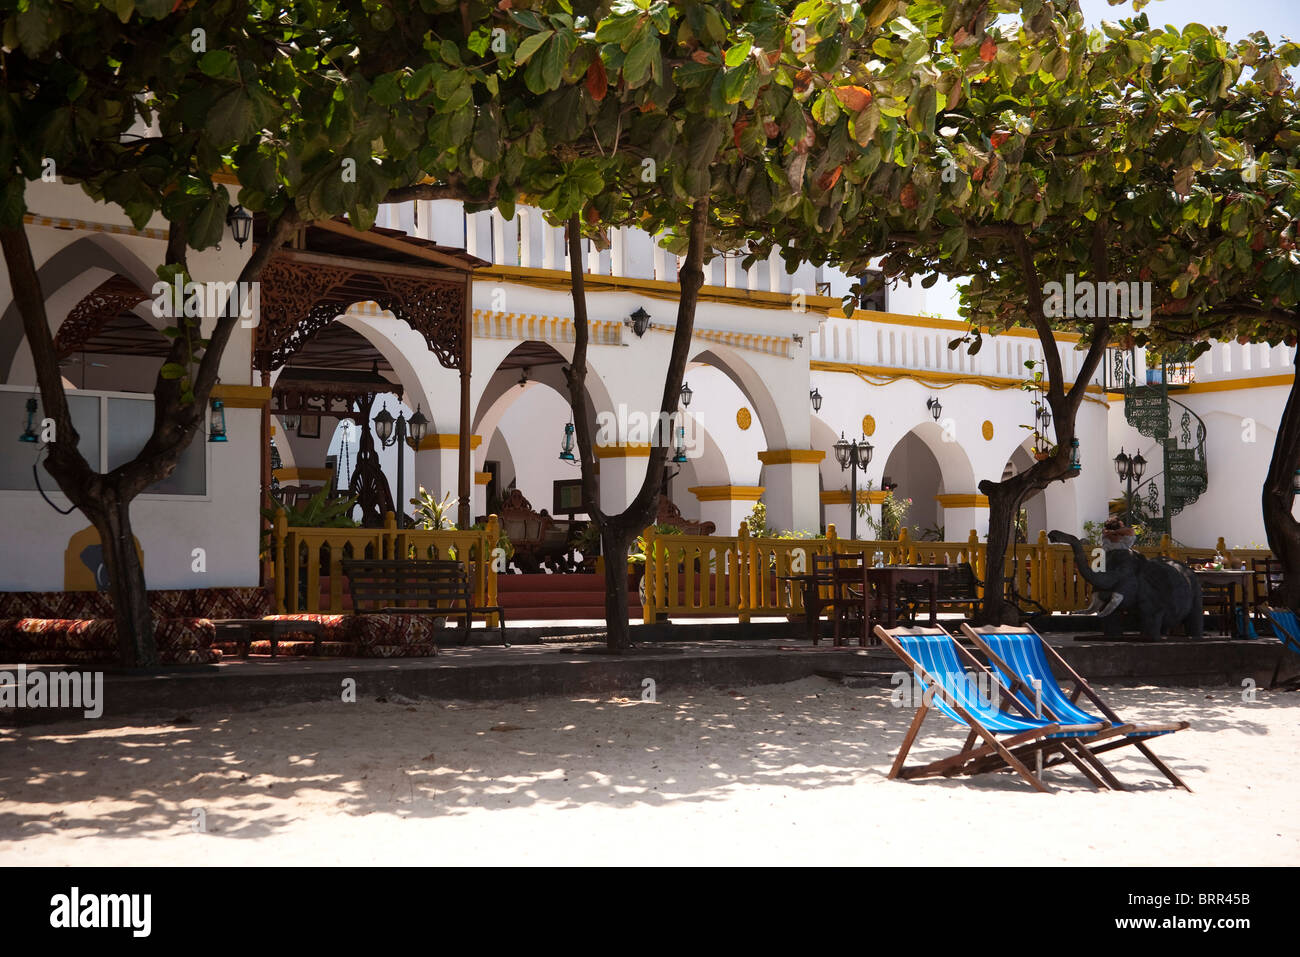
(299, 298)
(108, 300)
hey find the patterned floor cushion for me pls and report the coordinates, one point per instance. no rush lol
(179, 640)
(241, 602)
(373, 632)
(336, 627)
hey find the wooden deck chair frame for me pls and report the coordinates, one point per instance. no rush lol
(994, 754)
(1290, 646)
(1122, 733)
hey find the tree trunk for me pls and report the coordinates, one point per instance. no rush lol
(1280, 526)
(126, 584)
(1004, 504)
(614, 539)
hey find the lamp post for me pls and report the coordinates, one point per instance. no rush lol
(853, 456)
(392, 431)
(1129, 468)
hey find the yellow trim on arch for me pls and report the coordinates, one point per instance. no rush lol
(447, 440)
(932, 379)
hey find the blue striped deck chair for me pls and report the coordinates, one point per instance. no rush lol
(1287, 629)
(1023, 662)
(936, 662)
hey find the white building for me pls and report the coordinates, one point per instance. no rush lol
(763, 341)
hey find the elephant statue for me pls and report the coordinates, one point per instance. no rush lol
(1160, 591)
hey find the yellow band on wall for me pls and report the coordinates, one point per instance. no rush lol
(842, 497)
(634, 450)
(963, 500)
(727, 493)
(790, 456)
(447, 440)
(242, 396)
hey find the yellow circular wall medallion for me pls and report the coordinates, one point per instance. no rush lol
(744, 419)
(868, 425)
(987, 429)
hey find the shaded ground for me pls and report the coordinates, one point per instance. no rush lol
(769, 774)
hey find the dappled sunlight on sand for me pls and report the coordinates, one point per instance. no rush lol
(793, 772)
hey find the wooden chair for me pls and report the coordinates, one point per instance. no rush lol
(839, 583)
(1265, 580)
(939, 666)
(1019, 655)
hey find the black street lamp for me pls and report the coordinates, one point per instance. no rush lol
(1129, 468)
(394, 431)
(853, 456)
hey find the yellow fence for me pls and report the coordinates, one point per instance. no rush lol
(308, 562)
(741, 577)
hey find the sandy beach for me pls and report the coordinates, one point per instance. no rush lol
(791, 773)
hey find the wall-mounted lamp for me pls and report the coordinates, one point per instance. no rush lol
(686, 394)
(935, 408)
(217, 422)
(240, 222)
(639, 321)
(816, 398)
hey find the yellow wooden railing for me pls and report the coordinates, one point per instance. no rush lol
(307, 563)
(740, 577)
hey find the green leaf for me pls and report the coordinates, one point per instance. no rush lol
(171, 370)
(640, 59)
(531, 45)
(218, 63)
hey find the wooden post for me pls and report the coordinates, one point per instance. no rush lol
(493, 534)
(973, 556)
(745, 566)
(650, 577)
(1044, 585)
(463, 517)
(279, 531)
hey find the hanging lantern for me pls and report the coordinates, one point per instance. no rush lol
(686, 394)
(1075, 465)
(816, 398)
(217, 422)
(679, 450)
(1295, 482)
(566, 449)
(29, 433)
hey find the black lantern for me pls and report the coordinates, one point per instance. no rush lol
(686, 394)
(842, 451)
(240, 222)
(865, 449)
(935, 408)
(566, 449)
(1044, 415)
(217, 422)
(384, 424)
(853, 456)
(1139, 466)
(1123, 466)
(419, 426)
(639, 321)
(29, 433)
(816, 398)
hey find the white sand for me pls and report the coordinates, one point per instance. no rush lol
(776, 774)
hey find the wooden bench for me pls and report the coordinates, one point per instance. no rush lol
(957, 586)
(417, 587)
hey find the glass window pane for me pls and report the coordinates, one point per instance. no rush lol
(16, 462)
(130, 422)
